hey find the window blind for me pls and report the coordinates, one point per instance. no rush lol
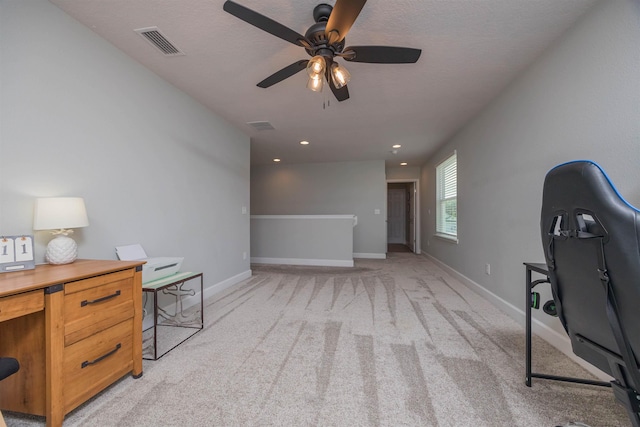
(446, 194)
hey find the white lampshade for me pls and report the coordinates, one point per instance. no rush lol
(55, 213)
(62, 214)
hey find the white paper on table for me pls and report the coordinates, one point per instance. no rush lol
(131, 252)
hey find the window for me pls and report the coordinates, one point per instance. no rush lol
(446, 197)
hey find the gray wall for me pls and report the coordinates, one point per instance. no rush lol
(405, 172)
(80, 118)
(580, 100)
(302, 239)
(340, 188)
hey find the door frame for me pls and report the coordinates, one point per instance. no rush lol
(416, 213)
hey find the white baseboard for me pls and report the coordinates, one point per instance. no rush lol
(210, 291)
(190, 301)
(369, 255)
(303, 261)
(559, 341)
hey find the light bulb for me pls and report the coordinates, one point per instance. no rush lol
(339, 75)
(315, 84)
(315, 67)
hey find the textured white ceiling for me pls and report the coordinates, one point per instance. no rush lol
(471, 49)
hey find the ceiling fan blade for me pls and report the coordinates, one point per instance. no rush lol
(285, 73)
(341, 94)
(264, 23)
(342, 18)
(382, 54)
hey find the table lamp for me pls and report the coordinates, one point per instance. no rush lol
(60, 214)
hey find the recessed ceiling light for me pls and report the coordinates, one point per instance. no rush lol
(276, 160)
(304, 142)
(403, 164)
(396, 146)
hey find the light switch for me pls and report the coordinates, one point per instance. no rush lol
(244, 210)
(376, 211)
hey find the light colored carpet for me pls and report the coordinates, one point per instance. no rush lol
(393, 342)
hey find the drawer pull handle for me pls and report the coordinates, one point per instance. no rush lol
(85, 302)
(104, 356)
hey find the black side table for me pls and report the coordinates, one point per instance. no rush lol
(174, 286)
(542, 270)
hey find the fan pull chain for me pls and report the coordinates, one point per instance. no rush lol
(326, 101)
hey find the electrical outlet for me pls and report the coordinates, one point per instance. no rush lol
(487, 269)
(244, 255)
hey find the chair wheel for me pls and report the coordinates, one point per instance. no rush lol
(535, 300)
(549, 307)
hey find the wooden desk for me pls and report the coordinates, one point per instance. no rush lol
(74, 328)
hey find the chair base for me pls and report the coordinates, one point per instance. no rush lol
(630, 400)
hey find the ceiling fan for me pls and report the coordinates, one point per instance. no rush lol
(324, 41)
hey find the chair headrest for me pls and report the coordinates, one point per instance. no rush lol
(584, 179)
(582, 194)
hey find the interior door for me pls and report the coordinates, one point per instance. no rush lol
(396, 215)
(411, 217)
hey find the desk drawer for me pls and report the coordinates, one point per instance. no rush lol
(96, 308)
(92, 282)
(20, 305)
(92, 364)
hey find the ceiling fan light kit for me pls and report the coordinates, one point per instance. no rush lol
(339, 75)
(315, 83)
(324, 41)
(316, 67)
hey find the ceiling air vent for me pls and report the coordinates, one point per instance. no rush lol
(261, 125)
(155, 37)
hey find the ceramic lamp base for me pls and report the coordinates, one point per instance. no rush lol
(61, 250)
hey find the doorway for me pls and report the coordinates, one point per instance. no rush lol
(402, 216)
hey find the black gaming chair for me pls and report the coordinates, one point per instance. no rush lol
(591, 239)
(8, 366)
